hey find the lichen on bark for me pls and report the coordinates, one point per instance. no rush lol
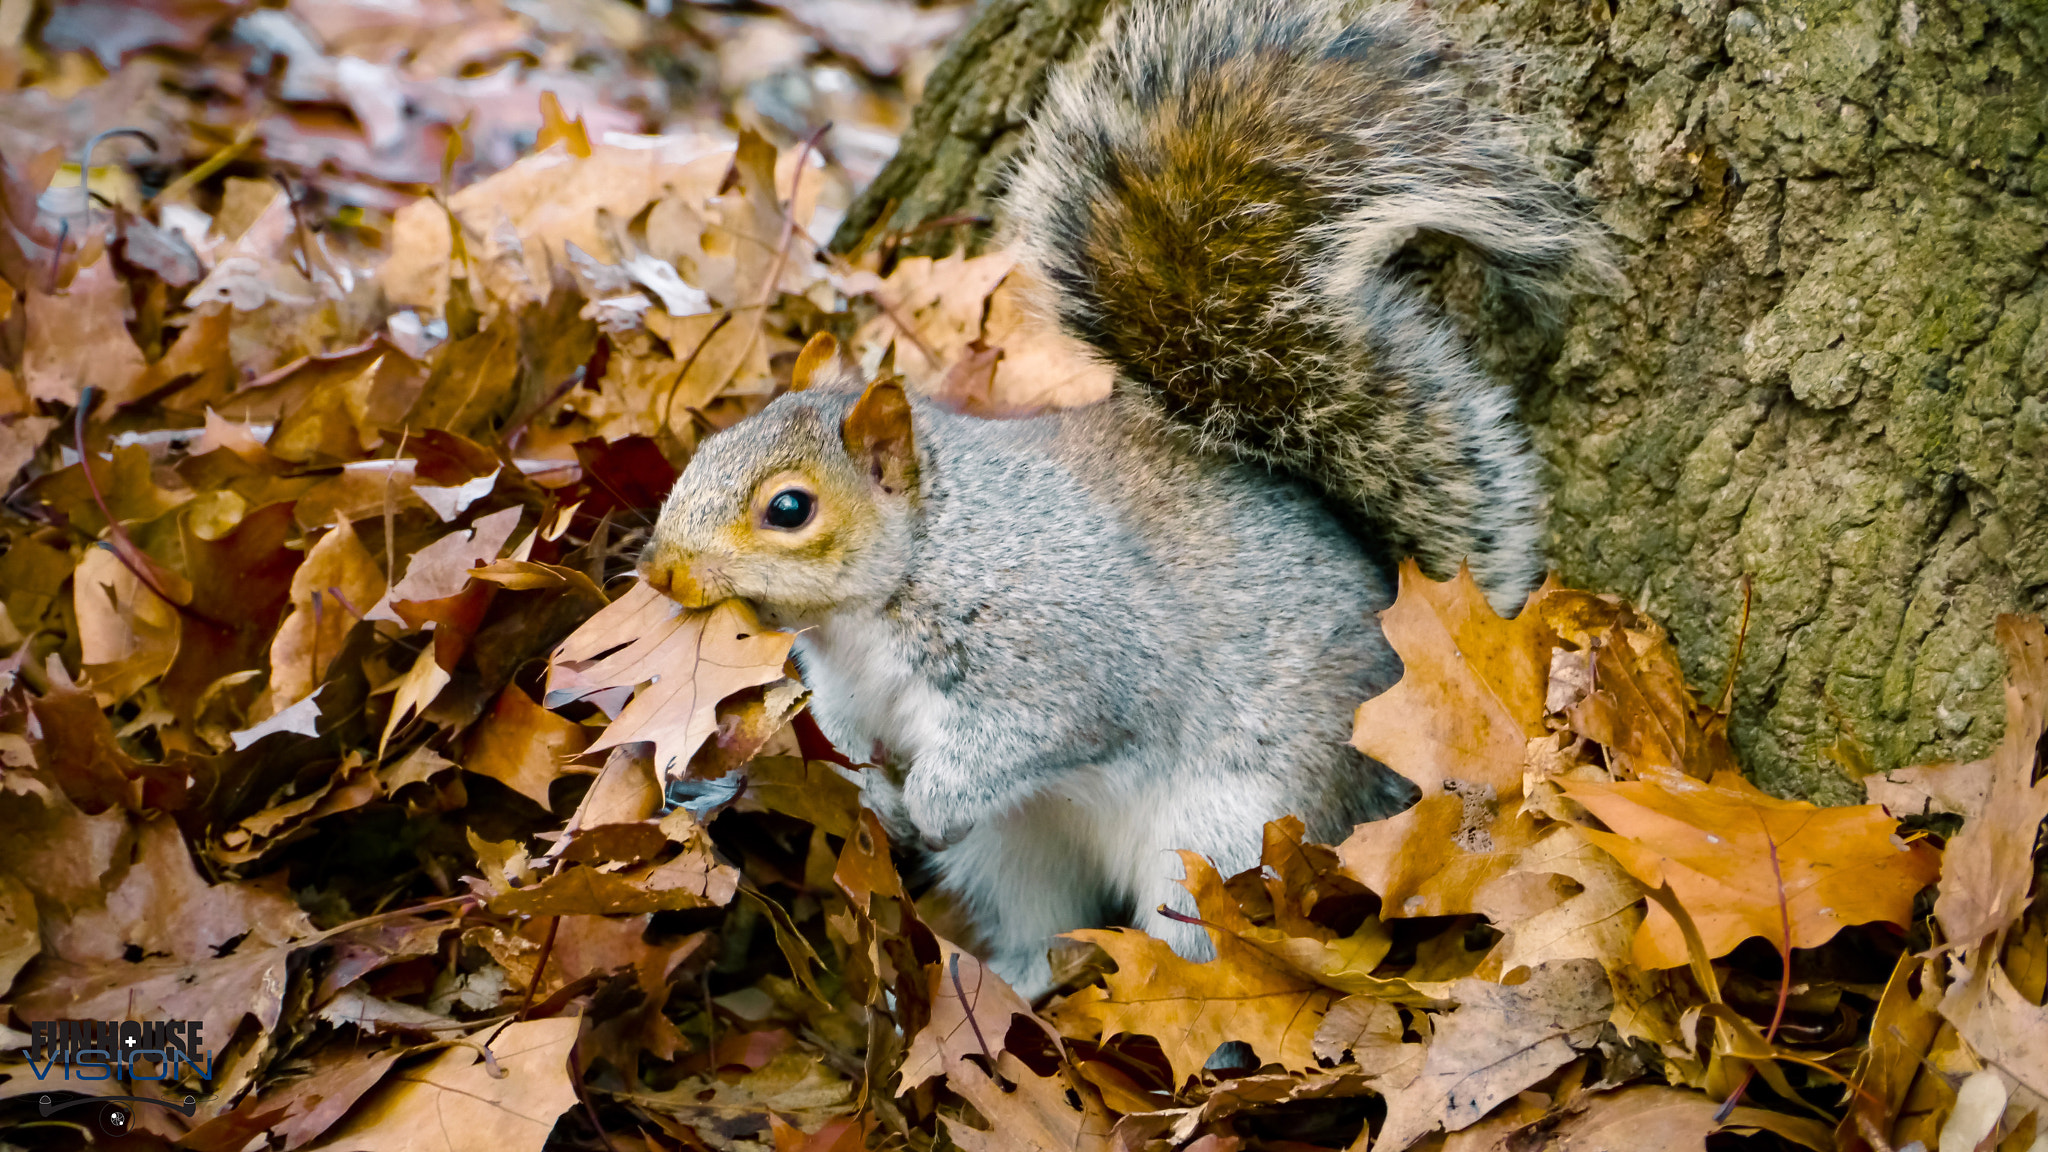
(1827, 370)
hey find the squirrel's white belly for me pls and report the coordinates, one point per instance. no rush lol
(864, 691)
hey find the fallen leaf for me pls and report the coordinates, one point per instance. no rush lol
(972, 1011)
(339, 580)
(2003, 1028)
(1986, 869)
(523, 745)
(1470, 698)
(1747, 864)
(682, 662)
(1500, 1040)
(1245, 994)
(1034, 1114)
(457, 1101)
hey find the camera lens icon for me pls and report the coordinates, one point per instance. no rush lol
(115, 1119)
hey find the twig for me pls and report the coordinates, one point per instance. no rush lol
(969, 1010)
(1735, 657)
(540, 966)
(85, 170)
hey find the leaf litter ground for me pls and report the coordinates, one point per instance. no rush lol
(330, 717)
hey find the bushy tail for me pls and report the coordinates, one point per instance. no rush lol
(1211, 196)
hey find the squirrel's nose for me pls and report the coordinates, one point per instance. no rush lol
(675, 579)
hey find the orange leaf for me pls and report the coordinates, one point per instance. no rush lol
(1244, 994)
(1744, 863)
(1470, 698)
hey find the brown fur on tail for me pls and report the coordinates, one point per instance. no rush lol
(1210, 197)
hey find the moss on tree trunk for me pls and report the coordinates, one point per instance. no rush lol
(1828, 371)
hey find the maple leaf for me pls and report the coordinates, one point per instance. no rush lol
(682, 663)
(1745, 864)
(1470, 698)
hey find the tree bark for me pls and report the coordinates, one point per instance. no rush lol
(1828, 372)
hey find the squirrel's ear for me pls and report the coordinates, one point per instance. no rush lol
(819, 352)
(877, 435)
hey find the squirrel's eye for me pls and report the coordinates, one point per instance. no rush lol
(789, 508)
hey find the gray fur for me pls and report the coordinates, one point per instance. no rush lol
(1082, 641)
(1100, 646)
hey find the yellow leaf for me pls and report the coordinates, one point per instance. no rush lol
(1244, 994)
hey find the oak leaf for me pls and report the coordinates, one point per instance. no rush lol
(682, 663)
(458, 1101)
(1744, 863)
(1470, 698)
(1027, 1112)
(1247, 994)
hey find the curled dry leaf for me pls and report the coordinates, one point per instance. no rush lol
(1500, 1040)
(1745, 864)
(1988, 873)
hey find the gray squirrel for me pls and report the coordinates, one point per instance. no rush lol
(1080, 641)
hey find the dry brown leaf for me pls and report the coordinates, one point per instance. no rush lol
(523, 745)
(1653, 1118)
(19, 940)
(1628, 693)
(78, 338)
(813, 791)
(1597, 921)
(1470, 698)
(457, 1101)
(1987, 867)
(339, 579)
(1743, 862)
(977, 1025)
(1035, 1114)
(2003, 1027)
(127, 634)
(682, 662)
(1368, 1031)
(1246, 994)
(1500, 1040)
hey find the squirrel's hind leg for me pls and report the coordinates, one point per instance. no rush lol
(1220, 817)
(1026, 877)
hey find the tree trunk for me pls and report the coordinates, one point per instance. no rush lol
(1828, 372)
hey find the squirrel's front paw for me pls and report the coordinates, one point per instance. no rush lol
(938, 813)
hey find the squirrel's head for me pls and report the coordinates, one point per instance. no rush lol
(801, 508)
